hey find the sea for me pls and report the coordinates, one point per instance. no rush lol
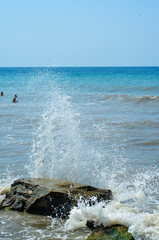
(91, 125)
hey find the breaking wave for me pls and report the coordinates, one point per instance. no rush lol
(130, 98)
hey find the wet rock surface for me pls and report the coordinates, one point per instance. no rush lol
(116, 232)
(50, 196)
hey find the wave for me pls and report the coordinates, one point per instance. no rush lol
(130, 98)
(146, 98)
(129, 206)
(135, 124)
(139, 224)
(147, 143)
(156, 88)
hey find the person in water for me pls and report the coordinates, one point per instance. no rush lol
(1, 93)
(15, 98)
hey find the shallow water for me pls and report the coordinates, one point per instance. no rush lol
(15, 225)
(89, 125)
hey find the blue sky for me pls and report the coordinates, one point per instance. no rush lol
(79, 33)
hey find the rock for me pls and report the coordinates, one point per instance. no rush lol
(2, 197)
(90, 224)
(116, 232)
(49, 196)
(5, 190)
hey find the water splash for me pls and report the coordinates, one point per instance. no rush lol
(7, 179)
(134, 204)
(59, 150)
(141, 225)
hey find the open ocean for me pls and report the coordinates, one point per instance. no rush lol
(92, 125)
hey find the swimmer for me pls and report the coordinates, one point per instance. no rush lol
(15, 98)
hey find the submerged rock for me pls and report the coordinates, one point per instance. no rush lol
(116, 232)
(50, 196)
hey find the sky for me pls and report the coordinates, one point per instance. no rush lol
(79, 33)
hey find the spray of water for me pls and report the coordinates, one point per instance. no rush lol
(59, 150)
(7, 179)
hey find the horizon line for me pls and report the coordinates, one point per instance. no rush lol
(74, 66)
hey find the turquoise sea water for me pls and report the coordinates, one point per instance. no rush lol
(98, 126)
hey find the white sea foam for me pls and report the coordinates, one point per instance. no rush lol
(135, 205)
(142, 225)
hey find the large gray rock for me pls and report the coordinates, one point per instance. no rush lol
(49, 196)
